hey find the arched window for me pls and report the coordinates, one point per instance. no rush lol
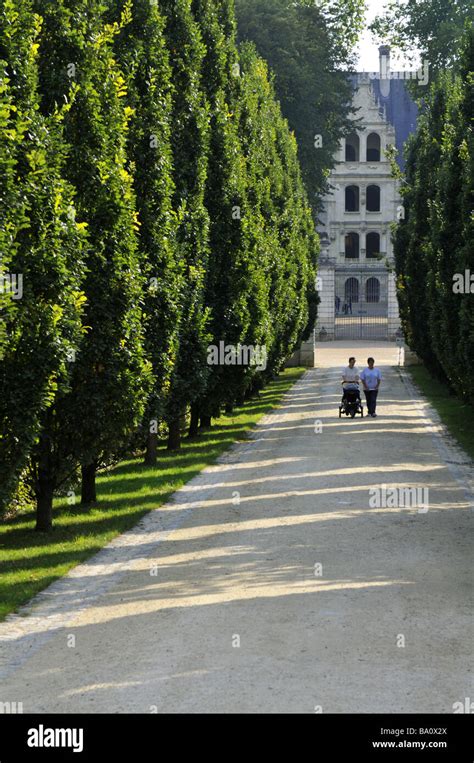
(352, 147)
(372, 290)
(351, 291)
(373, 198)
(372, 245)
(352, 198)
(373, 147)
(352, 246)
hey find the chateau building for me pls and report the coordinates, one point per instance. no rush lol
(357, 284)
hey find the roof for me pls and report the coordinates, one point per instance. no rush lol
(400, 109)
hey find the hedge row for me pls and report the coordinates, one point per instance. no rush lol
(434, 249)
(152, 217)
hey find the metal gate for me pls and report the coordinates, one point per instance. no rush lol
(361, 304)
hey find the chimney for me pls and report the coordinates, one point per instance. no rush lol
(384, 60)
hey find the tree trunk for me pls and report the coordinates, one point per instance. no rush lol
(174, 437)
(44, 487)
(254, 391)
(44, 505)
(151, 449)
(229, 407)
(88, 491)
(205, 422)
(194, 423)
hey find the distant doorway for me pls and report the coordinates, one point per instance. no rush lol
(361, 304)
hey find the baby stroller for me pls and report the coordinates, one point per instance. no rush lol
(351, 402)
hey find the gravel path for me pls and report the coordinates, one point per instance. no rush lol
(271, 582)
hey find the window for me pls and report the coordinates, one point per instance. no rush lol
(372, 245)
(373, 198)
(351, 291)
(352, 198)
(372, 290)
(352, 148)
(373, 147)
(352, 246)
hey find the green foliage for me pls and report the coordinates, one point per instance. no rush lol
(464, 145)
(433, 245)
(40, 243)
(309, 48)
(110, 375)
(286, 242)
(152, 199)
(190, 152)
(230, 267)
(431, 28)
(141, 51)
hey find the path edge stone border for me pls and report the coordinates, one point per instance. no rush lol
(58, 605)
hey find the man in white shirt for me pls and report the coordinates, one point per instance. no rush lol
(350, 377)
(371, 378)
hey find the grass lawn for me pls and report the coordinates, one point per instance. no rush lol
(30, 561)
(456, 415)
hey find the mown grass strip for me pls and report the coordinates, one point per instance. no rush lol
(30, 561)
(456, 415)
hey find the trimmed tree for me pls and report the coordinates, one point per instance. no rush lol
(40, 253)
(190, 147)
(110, 381)
(142, 54)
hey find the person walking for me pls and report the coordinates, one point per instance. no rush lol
(350, 377)
(371, 378)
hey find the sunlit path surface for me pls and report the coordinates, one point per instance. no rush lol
(272, 582)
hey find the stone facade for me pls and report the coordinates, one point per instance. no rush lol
(358, 295)
(356, 266)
